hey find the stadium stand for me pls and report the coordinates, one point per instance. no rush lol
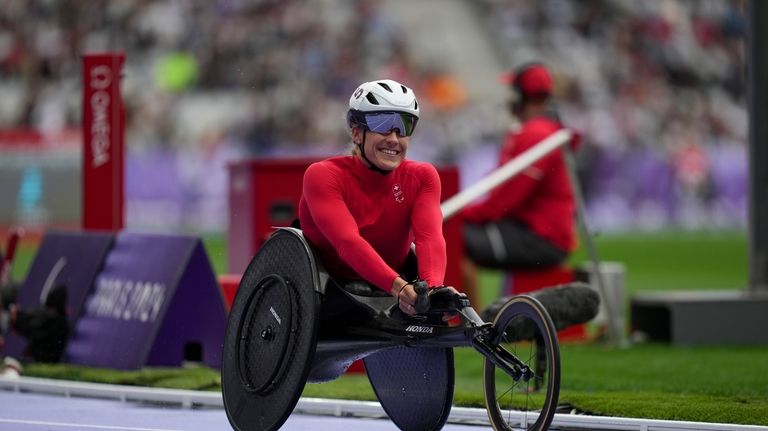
(657, 88)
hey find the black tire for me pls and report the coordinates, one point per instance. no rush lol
(524, 329)
(271, 335)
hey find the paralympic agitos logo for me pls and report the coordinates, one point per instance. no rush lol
(397, 190)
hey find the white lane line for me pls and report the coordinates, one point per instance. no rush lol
(82, 426)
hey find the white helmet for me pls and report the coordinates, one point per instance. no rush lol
(382, 106)
(384, 95)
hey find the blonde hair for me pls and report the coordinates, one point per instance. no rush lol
(355, 148)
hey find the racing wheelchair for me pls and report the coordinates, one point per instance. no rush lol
(291, 323)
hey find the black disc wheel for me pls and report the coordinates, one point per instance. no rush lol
(271, 335)
(414, 385)
(523, 394)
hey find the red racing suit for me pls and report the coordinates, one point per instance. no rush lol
(540, 197)
(363, 223)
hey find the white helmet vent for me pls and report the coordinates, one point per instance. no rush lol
(371, 98)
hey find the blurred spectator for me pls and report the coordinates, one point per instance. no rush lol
(641, 80)
(7, 297)
(629, 72)
(11, 367)
(8, 287)
(176, 72)
(46, 329)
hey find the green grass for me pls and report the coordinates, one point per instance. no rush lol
(709, 384)
(198, 378)
(706, 384)
(216, 247)
(676, 260)
(25, 253)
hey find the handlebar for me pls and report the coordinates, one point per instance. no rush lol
(437, 299)
(422, 298)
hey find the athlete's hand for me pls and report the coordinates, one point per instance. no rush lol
(406, 295)
(449, 317)
(452, 289)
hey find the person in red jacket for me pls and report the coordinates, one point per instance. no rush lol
(363, 211)
(528, 221)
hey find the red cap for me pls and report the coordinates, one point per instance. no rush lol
(531, 80)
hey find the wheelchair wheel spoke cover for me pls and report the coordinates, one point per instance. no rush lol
(264, 337)
(413, 385)
(271, 335)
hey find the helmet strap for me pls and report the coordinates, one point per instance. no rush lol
(371, 166)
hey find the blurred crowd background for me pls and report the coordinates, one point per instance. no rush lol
(656, 87)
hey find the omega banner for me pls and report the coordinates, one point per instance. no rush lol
(103, 140)
(155, 302)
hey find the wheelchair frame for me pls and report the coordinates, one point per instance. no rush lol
(291, 323)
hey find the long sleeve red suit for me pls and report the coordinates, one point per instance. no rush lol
(541, 196)
(363, 222)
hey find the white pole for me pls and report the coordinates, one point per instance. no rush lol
(454, 204)
(614, 324)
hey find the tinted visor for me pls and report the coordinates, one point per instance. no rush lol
(385, 122)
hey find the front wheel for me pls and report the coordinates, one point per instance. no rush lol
(526, 339)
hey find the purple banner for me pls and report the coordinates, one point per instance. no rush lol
(69, 258)
(155, 301)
